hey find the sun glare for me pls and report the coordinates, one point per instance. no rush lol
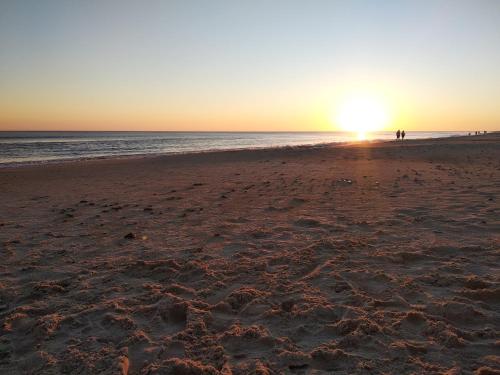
(362, 114)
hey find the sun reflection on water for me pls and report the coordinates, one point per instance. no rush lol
(361, 136)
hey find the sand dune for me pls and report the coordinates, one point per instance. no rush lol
(374, 258)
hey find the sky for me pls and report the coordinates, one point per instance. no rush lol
(247, 65)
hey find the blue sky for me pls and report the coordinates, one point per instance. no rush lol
(236, 65)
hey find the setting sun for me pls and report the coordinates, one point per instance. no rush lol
(362, 113)
(228, 187)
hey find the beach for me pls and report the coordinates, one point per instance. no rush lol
(369, 258)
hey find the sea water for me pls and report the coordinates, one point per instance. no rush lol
(37, 147)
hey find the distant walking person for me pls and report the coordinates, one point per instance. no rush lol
(403, 135)
(398, 133)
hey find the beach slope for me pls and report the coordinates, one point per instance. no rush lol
(357, 258)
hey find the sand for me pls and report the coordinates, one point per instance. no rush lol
(376, 258)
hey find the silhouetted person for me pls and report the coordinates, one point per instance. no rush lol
(398, 133)
(403, 135)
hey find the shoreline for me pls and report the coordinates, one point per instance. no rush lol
(154, 155)
(13, 165)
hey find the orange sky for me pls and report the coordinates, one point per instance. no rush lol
(246, 66)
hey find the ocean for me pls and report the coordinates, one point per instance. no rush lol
(38, 147)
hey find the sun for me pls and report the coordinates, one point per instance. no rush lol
(362, 113)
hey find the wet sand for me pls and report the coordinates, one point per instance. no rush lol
(376, 258)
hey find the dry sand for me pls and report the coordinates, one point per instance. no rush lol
(369, 258)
